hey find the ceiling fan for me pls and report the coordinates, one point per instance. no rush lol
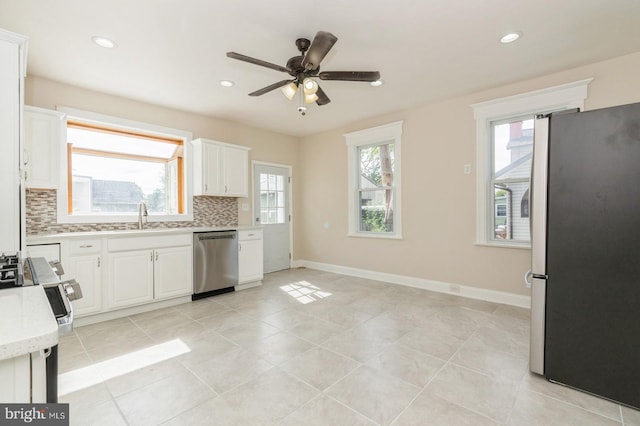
(304, 68)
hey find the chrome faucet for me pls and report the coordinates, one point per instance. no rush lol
(142, 211)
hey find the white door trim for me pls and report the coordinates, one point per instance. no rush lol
(254, 163)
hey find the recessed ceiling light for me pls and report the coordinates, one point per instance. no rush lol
(376, 83)
(104, 42)
(226, 83)
(511, 37)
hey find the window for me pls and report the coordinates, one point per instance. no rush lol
(272, 199)
(505, 135)
(374, 181)
(113, 165)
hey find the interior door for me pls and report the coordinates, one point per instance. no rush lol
(272, 210)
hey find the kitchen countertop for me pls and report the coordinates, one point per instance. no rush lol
(28, 323)
(44, 238)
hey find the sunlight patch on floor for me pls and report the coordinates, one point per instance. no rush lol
(304, 292)
(99, 372)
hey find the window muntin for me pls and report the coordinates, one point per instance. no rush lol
(112, 170)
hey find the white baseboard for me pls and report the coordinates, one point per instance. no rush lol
(125, 312)
(439, 286)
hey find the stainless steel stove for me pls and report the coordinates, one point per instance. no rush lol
(11, 271)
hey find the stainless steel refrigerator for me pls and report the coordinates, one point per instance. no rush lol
(585, 236)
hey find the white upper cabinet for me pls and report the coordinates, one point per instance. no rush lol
(44, 131)
(12, 65)
(220, 169)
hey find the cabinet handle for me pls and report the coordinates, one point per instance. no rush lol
(239, 246)
(156, 255)
(251, 235)
(206, 188)
(225, 189)
(98, 261)
(151, 258)
(86, 246)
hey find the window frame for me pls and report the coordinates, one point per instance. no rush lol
(98, 120)
(555, 98)
(385, 134)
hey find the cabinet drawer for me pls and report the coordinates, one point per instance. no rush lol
(253, 234)
(84, 246)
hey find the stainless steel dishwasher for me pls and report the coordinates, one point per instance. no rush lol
(215, 263)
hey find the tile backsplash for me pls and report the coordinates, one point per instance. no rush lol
(42, 213)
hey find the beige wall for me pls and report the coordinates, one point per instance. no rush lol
(439, 210)
(266, 146)
(438, 199)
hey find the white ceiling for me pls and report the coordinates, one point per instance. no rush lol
(172, 52)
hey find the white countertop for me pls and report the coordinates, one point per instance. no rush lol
(27, 324)
(44, 238)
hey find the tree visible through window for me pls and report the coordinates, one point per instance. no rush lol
(376, 188)
(375, 181)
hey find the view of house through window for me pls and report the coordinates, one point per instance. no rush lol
(376, 187)
(512, 143)
(112, 170)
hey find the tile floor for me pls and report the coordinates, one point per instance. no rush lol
(315, 348)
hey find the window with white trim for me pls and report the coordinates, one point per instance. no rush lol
(112, 165)
(505, 134)
(375, 181)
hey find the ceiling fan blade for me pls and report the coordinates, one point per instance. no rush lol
(270, 88)
(323, 99)
(322, 43)
(255, 61)
(350, 75)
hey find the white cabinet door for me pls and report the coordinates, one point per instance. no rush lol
(220, 169)
(236, 172)
(10, 107)
(130, 278)
(86, 271)
(173, 272)
(212, 176)
(250, 253)
(15, 376)
(44, 130)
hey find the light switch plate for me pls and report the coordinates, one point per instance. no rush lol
(467, 169)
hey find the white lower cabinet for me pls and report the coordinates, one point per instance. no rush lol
(130, 278)
(250, 256)
(171, 267)
(145, 269)
(23, 379)
(82, 260)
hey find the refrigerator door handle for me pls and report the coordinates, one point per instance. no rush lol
(527, 276)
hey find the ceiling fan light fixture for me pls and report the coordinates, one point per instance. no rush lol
(311, 98)
(310, 86)
(290, 90)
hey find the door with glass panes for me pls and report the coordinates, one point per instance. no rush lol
(271, 210)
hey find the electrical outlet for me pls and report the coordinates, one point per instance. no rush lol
(245, 207)
(467, 169)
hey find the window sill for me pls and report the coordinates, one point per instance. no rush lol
(520, 246)
(66, 219)
(379, 236)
